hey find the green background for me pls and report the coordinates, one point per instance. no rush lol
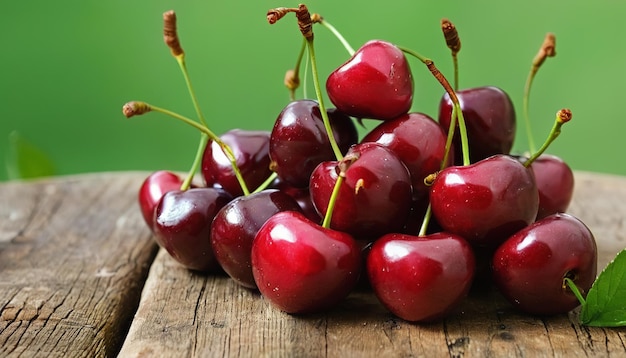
(68, 67)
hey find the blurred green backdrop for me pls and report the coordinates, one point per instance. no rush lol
(68, 67)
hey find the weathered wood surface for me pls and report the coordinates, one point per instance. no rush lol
(74, 255)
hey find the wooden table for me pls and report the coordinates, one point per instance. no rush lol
(80, 276)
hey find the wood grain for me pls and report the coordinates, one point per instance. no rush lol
(185, 314)
(74, 254)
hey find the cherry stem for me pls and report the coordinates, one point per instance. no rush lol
(453, 97)
(332, 201)
(334, 31)
(425, 221)
(342, 167)
(266, 183)
(320, 101)
(292, 78)
(171, 39)
(562, 116)
(136, 108)
(451, 35)
(547, 50)
(449, 137)
(572, 286)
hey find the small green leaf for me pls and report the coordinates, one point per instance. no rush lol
(606, 300)
(25, 160)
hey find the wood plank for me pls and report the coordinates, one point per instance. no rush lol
(74, 254)
(186, 314)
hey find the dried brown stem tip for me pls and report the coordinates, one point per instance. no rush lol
(451, 35)
(305, 22)
(169, 33)
(548, 49)
(292, 81)
(135, 108)
(564, 115)
(273, 15)
(316, 18)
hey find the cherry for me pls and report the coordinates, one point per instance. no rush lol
(302, 267)
(375, 197)
(555, 182)
(485, 202)
(251, 150)
(376, 82)
(489, 119)
(299, 141)
(530, 267)
(237, 223)
(420, 278)
(418, 141)
(151, 191)
(182, 225)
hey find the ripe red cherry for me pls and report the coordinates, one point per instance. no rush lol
(529, 267)
(302, 267)
(251, 151)
(485, 202)
(555, 182)
(182, 225)
(299, 141)
(420, 278)
(237, 223)
(151, 191)
(489, 118)
(375, 197)
(376, 82)
(418, 141)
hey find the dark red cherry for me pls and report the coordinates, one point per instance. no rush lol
(376, 82)
(251, 150)
(555, 182)
(151, 191)
(418, 141)
(182, 225)
(302, 267)
(420, 278)
(375, 197)
(236, 225)
(490, 120)
(529, 268)
(485, 202)
(299, 141)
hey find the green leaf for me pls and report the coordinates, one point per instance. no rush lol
(606, 300)
(25, 160)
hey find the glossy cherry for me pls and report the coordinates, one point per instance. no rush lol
(375, 197)
(302, 267)
(420, 278)
(237, 223)
(182, 225)
(152, 190)
(251, 151)
(555, 182)
(529, 268)
(299, 141)
(485, 202)
(376, 82)
(418, 141)
(489, 118)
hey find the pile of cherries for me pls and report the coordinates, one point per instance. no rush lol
(401, 209)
